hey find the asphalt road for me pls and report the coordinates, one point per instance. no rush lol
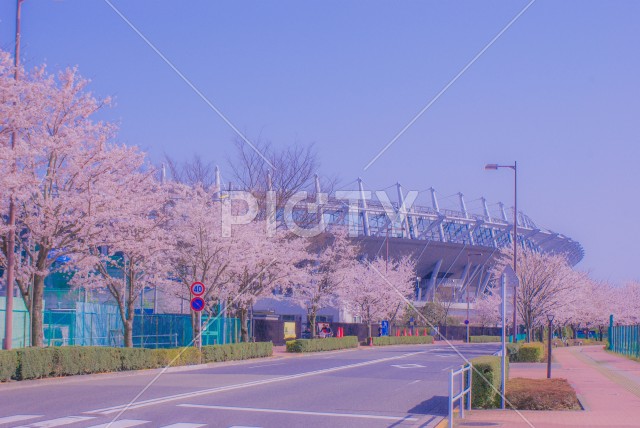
(397, 386)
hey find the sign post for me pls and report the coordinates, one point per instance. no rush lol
(197, 305)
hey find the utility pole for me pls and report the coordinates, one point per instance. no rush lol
(11, 241)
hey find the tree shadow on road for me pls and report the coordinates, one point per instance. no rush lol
(436, 405)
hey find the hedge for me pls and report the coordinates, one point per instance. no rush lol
(485, 393)
(236, 351)
(36, 363)
(8, 365)
(526, 353)
(512, 351)
(484, 339)
(327, 344)
(401, 340)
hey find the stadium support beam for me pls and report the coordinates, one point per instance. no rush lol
(407, 225)
(485, 283)
(365, 214)
(502, 211)
(217, 183)
(434, 277)
(436, 207)
(321, 223)
(463, 208)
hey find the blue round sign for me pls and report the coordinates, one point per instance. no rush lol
(197, 304)
(197, 289)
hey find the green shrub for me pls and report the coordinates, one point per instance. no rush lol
(8, 365)
(186, 356)
(484, 339)
(530, 352)
(138, 358)
(485, 392)
(328, 344)
(512, 351)
(401, 340)
(236, 351)
(35, 363)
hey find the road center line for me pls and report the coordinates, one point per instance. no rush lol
(301, 412)
(160, 400)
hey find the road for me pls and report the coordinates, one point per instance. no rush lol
(396, 386)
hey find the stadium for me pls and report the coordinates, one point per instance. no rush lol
(454, 249)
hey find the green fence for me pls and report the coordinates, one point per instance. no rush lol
(99, 324)
(21, 332)
(625, 339)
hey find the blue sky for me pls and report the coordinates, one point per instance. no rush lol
(558, 92)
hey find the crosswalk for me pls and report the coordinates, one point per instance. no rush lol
(30, 421)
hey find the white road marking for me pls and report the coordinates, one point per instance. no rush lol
(18, 418)
(183, 425)
(123, 423)
(266, 365)
(301, 412)
(160, 400)
(58, 422)
(415, 381)
(407, 366)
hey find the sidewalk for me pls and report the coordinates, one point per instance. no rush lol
(607, 385)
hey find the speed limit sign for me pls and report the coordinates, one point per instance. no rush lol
(197, 289)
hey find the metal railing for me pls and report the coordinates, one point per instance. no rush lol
(464, 391)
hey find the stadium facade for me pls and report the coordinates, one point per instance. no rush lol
(454, 249)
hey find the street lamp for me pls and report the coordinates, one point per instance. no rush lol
(550, 318)
(514, 167)
(468, 280)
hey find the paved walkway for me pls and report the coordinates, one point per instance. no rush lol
(607, 385)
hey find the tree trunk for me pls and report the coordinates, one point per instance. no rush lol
(128, 324)
(37, 311)
(128, 334)
(369, 329)
(244, 330)
(312, 322)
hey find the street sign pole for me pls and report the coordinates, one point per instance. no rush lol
(197, 289)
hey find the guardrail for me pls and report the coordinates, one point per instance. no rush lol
(464, 391)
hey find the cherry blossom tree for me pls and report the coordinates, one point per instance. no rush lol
(199, 251)
(327, 266)
(544, 281)
(378, 289)
(260, 263)
(627, 303)
(60, 153)
(125, 250)
(488, 308)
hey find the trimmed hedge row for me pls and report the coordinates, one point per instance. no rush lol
(36, 363)
(8, 365)
(236, 351)
(485, 393)
(401, 340)
(327, 344)
(484, 339)
(526, 352)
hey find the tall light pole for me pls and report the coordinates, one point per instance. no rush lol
(467, 281)
(550, 319)
(11, 239)
(514, 167)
